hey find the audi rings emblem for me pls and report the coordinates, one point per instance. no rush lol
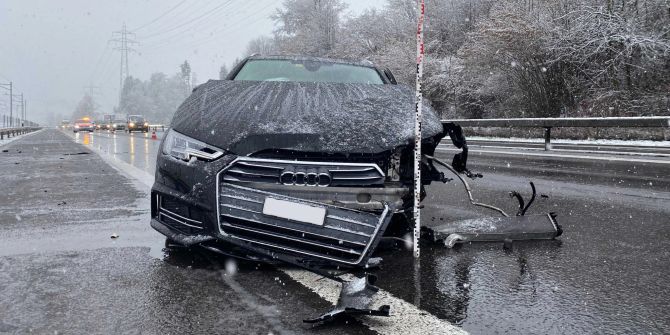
(310, 178)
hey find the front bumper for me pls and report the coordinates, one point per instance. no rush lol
(192, 205)
(345, 237)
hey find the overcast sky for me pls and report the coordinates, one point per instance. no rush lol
(51, 50)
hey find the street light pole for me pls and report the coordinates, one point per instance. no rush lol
(11, 105)
(21, 119)
(11, 101)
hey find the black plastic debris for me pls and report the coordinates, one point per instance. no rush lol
(355, 299)
(498, 229)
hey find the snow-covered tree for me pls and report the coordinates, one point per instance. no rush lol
(308, 26)
(186, 74)
(85, 108)
(502, 58)
(223, 72)
(157, 98)
(263, 45)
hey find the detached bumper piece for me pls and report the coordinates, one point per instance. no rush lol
(355, 299)
(330, 236)
(498, 229)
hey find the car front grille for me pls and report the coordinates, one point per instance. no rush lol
(345, 236)
(303, 173)
(178, 216)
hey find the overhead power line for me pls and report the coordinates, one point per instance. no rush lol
(160, 16)
(187, 13)
(255, 15)
(208, 13)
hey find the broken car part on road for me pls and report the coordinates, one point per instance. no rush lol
(275, 169)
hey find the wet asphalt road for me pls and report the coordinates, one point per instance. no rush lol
(606, 274)
(61, 273)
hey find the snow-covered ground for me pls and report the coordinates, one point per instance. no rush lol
(6, 140)
(640, 143)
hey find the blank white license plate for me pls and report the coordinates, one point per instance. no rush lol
(294, 211)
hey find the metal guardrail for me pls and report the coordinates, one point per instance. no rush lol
(15, 122)
(9, 132)
(548, 123)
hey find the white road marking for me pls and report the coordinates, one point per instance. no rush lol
(616, 159)
(406, 318)
(134, 173)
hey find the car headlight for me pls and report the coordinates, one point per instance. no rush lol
(146, 124)
(114, 125)
(184, 148)
(131, 124)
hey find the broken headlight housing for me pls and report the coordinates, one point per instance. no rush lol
(185, 148)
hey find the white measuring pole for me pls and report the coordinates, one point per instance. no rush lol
(417, 128)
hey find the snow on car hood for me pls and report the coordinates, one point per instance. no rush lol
(246, 116)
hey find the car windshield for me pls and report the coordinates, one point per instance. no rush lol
(136, 119)
(307, 71)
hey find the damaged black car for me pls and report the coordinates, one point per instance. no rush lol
(296, 159)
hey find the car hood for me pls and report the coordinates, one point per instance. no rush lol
(246, 117)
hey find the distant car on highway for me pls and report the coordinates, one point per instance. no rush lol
(84, 124)
(101, 125)
(117, 125)
(137, 123)
(65, 124)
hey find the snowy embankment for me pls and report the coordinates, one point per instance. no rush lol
(6, 140)
(636, 143)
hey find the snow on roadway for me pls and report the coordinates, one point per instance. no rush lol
(405, 317)
(6, 140)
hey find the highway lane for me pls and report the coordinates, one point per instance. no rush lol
(61, 273)
(607, 273)
(136, 149)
